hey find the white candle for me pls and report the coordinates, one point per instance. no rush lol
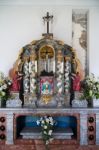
(48, 64)
(61, 69)
(35, 65)
(30, 67)
(53, 65)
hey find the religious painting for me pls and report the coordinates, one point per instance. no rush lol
(46, 59)
(79, 36)
(46, 85)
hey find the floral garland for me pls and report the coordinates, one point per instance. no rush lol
(46, 124)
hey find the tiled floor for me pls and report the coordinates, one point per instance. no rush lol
(41, 147)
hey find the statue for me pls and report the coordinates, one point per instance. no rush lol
(16, 82)
(76, 82)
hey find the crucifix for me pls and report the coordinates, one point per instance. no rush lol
(47, 19)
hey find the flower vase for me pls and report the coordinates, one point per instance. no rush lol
(90, 102)
(95, 102)
(2, 102)
(47, 147)
(79, 103)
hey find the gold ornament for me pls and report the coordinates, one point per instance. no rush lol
(46, 98)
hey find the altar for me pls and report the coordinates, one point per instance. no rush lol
(84, 125)
(47, 72)
(45, 80)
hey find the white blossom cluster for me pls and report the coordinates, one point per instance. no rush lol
(5, 83)
(46, 124)
(91, 87)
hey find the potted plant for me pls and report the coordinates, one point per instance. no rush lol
(90, 89)
(5, 83)
(79, 100)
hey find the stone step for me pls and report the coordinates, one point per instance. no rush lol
(35, 133)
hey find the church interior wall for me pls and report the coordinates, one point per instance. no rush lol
(21, 22)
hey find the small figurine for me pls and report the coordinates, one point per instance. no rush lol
(16, 82)
(76, 82)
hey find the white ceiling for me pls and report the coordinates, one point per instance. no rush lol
(51, 2)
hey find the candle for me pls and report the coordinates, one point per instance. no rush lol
(53, 66)
(35, 65)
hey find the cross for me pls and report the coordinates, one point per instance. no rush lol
(47, 19)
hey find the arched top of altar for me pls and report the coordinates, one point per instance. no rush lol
(32, 49)
(34, 46)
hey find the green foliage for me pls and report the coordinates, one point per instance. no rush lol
(90, 87)
(46, 124)
(5, 84)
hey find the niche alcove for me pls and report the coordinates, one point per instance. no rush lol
(66, 129)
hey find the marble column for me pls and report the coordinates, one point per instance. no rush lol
(67, 70)
(60, 78)
(97, 128)
(26, 76)
(83, 129)
(9, 128)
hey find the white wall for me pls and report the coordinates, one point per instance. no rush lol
(21, 22)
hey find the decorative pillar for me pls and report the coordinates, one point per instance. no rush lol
(32, 72)
(83, 129)
(59, 72)
(67, 70)
(26, 75)
(9, 130)
(26, 81)
(60, 77)
(67, 80)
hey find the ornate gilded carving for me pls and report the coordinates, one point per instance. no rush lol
(58, 60)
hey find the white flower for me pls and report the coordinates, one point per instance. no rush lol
(47, 142)
(38, 122)
(47, 120)
(45, 127)
(46, 124)
(42, 121)
(5, 86)
(50, 118)
(50, 132)
(9, 83)
(52, 123)
(3, 93)
(51, 139)
(45, 132)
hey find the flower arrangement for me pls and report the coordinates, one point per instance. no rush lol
(46, 124)
(90, 87)
(5, 84)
